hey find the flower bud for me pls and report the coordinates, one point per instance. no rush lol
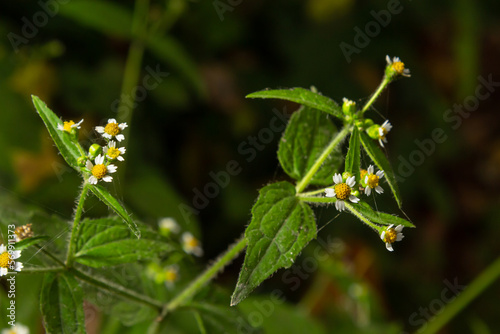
(349, 107)
(82, 161)
(94, 151)
(373, 131)
(346, 175)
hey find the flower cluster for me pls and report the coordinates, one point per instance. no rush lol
(18, 328)
(190, 244)
(8, 260)
(103, 157)
(168, 274)
(347, 188)
(344, 187)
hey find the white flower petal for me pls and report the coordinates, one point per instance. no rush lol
(99, 129)
(120, 137)
(379, 189)
(15, 254)
(399, 228)
(60, 127)
(120, 158)
(353, 199)
(107, 135)
(368, 191)
(337, 178)
(390, 226)
(99, 160)
(111, 120)
(122, 150)
(89, 165)
(92, 179)
(380, 174)
(351, 181)
(122, 126)
(389, 247)
(3, 249)
(388, 60)
(399, 237)
(340, 205)
(330, 192)
(382, 235)
(19, 266)
(3, 271)
(107, 178)
(380, 142)
(111, 168)
(370, 169)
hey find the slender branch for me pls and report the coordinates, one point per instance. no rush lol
(360, 216)
(312, 193)
(317, 164)
(380, 89)
(117, 289)
(76, 224)
(316, 199)
(480, 283)
(232, 252)
(42, 270)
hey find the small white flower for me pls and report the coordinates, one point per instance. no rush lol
(191, 245)
(342, 191)
(372, 181)
(17, 329)
(397, 66)
(67, 126)
(7, 260)
(168, 225)
(391, 235)
(383, 131)
(100, 171)
(114, 153)
(112, 129)
(171, 275)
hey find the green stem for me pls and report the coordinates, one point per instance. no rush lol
(42, 270)
(206, 276)
(380, 89)
(76, 224)
(317, 164)
(329, 200)
(132, 70)
(117, 289)
(53, 257)
(480, 283)
(312, 193)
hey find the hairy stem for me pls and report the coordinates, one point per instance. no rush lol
(76, 224)
(473, 290)
(302, 184)
(380, 89)
(183, 297)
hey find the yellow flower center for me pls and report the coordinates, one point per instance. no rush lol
(384, 132)
(390, 235)
(99, 171)
(373, 180)
(5, 260)
(192, 243)
(113, 152)
(342, 191)
(170, 275)
(363, 173)
(67, 126)
(399, 67)
(112, 129)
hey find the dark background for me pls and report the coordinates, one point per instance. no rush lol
(197, 120)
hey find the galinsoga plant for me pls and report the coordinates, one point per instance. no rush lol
(282, 223)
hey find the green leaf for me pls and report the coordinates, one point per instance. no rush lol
(113, 203)
(301, 96)
(25, 243)
(106, 242)
(103, 16)
(381, 161)
(61, 304)
(352, 160)
(281, 227)
(377, 217)
(62, 139)
(308, 133)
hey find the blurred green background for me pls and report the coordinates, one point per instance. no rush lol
(196, 120)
